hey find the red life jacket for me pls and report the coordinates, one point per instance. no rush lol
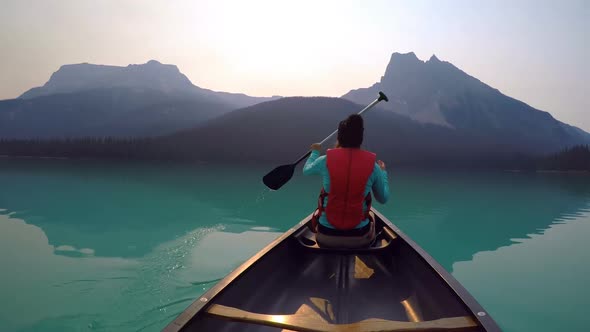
(349, 170)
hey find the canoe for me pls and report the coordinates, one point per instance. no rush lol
(295, 285)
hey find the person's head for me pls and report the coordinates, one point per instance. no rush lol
(350, 132)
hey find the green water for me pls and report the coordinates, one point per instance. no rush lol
(91, 246)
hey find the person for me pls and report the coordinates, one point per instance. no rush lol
(349, 175)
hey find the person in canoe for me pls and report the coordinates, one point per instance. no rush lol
(349, 175)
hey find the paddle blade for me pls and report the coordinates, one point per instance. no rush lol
(279, 176)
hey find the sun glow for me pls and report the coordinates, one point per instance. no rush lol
(275, 35)
(284, 44)
(304, 47)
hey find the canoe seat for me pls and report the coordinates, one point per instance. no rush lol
(383, 239)
(308, 320)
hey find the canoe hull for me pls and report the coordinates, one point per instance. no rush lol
(397, 282)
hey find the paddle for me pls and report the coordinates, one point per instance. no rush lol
(282, 174)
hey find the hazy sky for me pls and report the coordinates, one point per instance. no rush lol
(535, 51)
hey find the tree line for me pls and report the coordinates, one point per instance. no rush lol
(573, 158)
(576, 158)
(105, 147)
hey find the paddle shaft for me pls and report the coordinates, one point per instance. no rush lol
(375, 102)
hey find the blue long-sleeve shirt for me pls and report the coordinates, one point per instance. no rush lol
(377, 182)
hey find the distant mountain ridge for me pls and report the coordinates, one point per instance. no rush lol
(436, 114)
(85, 76)
(151, 75)
(278, 131)
(97, 100)
(117, 112)
(437, 92)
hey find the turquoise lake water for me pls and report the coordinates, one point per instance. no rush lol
(94, 246)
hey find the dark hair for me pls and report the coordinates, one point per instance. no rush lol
(350, 131)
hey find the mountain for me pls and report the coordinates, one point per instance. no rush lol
(437, 92)
(437, 116)
(95, 100)
(122, 112)
(80, 77)
(281, 130)
(152, 76)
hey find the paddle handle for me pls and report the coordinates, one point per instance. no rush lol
(382, 96)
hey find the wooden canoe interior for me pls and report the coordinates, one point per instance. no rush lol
(298, 287)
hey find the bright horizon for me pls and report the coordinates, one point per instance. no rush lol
(534, 51)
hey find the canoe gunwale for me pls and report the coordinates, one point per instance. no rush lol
(189, 313)
(485, 320)
(476, 309)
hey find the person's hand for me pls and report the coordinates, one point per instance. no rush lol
(316, 147)
(381, 164)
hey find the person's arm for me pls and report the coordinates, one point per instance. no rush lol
(381, 184)
(315, 162)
